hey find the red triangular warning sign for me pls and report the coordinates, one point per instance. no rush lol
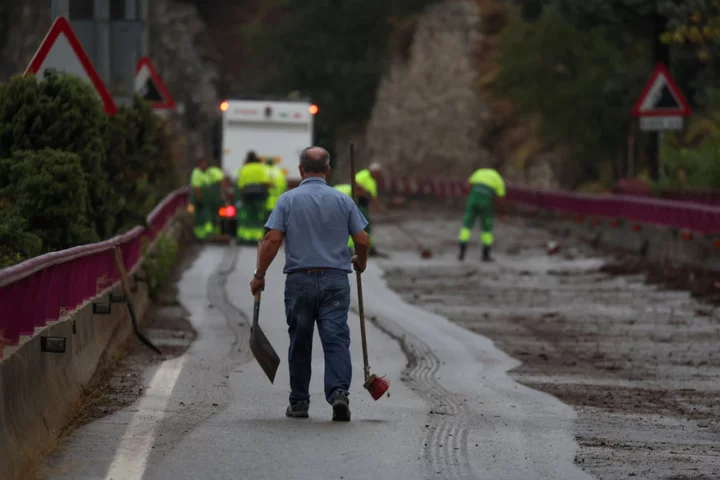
(661, 97)
(150, 86)
(61, 51)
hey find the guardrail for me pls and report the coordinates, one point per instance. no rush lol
(706, 197)
(704, 219)
(44, 288)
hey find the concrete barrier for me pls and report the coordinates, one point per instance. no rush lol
(39, 390)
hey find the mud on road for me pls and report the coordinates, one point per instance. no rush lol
(639, 360)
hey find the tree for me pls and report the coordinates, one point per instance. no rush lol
(334, 52)
(578, 81)
(131, 161)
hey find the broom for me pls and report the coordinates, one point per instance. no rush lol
(377, 386)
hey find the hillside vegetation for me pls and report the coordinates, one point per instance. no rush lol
(70, 174)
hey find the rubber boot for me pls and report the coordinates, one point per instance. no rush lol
(486, 254)
(463, 249)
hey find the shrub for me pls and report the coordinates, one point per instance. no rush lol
(16, 242)
(158, 264)
(69, 174)
(47, 188)
(62, 113)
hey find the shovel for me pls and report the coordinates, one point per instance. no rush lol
(260, 346)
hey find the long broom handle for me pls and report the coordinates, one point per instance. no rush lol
(361, 313)
(358, 276)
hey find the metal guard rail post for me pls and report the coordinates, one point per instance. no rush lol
(44, 288)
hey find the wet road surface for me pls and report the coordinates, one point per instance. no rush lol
(453, 411)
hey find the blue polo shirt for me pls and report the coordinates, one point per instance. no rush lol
(317, 221)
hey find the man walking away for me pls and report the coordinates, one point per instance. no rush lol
(485, 184)
(278, 183)
(366, 178)
(315, 221)
(253, 184)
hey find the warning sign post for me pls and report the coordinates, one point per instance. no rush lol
(661, 105)
(150, 86)
(61, 51)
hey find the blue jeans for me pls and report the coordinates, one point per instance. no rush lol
(322, 296)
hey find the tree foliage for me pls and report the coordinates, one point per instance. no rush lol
(48, 189)
(69, 174)
(577, 80)
(335, 52)
(579, 66)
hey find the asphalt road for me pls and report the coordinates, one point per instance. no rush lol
(453, 412)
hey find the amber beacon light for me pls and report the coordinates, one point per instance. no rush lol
(313, 109)
(224, 106)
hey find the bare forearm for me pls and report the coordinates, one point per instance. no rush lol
(268, 251)
(362, 246)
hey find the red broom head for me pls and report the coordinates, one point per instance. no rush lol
(377, 386)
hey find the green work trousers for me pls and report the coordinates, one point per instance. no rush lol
(251, 221)
(203, 220)
(480, 205)
(215, 201)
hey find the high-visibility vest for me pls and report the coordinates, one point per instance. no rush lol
(365, 179)
(252, 174)
(215, 174)
(279, 182)
(199, 178)
(489, 177)
(345, 188)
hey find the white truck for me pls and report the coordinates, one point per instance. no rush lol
(276, 129)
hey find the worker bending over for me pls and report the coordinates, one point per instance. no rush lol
(485, 185)
(368, 201)
(278, 184)
(253, 186)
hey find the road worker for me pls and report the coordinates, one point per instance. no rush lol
(366, 178)
(214, 193)
(485, 185)
(253, 187)
(278, 183)
(346, 188)
(199, 181)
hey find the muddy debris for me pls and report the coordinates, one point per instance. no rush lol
(631, 345)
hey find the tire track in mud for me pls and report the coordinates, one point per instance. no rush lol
(445, 445)
(237, 320)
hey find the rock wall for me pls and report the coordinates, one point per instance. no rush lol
(428, 116)
(187, 58)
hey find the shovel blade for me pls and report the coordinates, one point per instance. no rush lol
(264, 352)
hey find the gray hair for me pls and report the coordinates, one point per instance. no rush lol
(314, 160)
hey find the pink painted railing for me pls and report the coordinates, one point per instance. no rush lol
(694, 217)
(706, 197)
(40, 289)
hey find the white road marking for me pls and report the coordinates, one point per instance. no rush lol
(131, 458)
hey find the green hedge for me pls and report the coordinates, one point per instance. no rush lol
(70, 174)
